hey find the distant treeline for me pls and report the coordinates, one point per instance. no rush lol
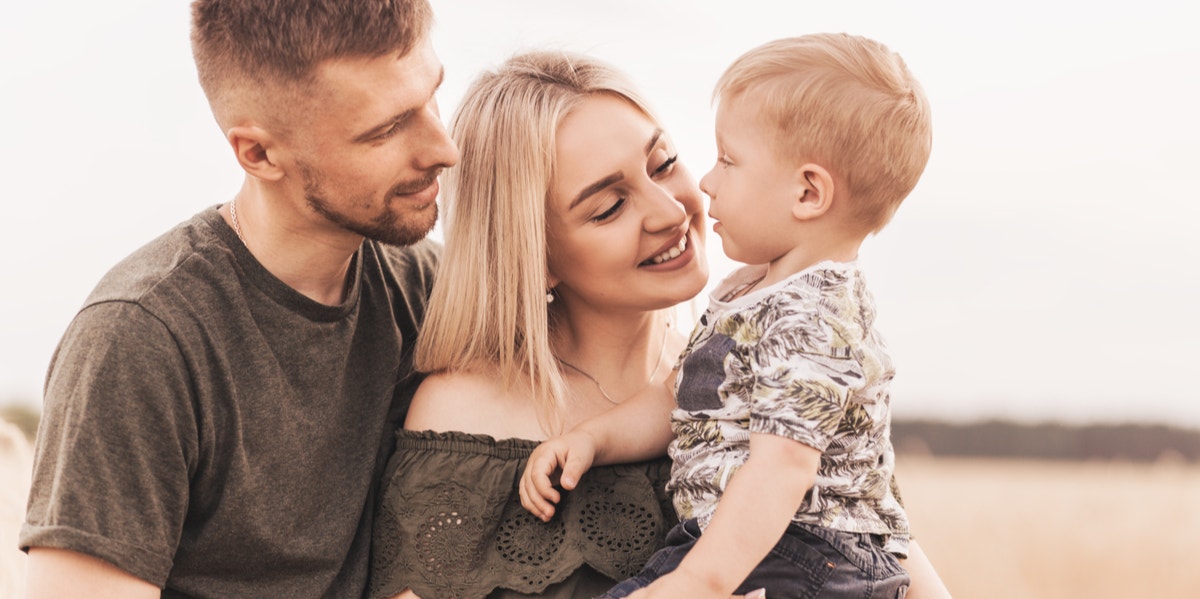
(998, 438)
(991, 438)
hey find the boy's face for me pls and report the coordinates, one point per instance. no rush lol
(752, 188)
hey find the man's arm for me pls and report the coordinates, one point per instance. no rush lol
(57, 573)
(110, 477)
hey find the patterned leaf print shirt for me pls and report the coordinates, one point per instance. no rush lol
(800, 359)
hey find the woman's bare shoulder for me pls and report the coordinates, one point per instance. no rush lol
(444, 400)
(472, 401)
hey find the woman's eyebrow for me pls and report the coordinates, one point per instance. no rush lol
(595, 187)
(654, 140)
(613, 178)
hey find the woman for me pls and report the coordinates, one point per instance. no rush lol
(571, 230)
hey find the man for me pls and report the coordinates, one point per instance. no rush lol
(217, 414)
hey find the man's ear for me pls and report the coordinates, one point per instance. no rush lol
(252, 145)
(815, 186)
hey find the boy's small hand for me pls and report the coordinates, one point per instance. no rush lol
(569, 456)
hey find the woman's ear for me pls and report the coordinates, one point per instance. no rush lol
(816, 188)
(252, 146)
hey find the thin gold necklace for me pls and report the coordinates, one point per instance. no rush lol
(233, 217)
(661, 351)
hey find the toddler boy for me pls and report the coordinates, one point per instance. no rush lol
(782, 454)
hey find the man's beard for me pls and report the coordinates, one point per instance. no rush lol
(386, 227)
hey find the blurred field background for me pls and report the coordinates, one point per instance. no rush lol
(1003, 510)
(1028, 529)
(16, 459)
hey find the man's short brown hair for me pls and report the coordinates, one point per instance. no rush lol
(280, 42)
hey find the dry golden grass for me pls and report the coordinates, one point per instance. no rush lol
(15, 465)
(993, 528)
(1033, 530)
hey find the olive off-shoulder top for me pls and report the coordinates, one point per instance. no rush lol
(451, 525)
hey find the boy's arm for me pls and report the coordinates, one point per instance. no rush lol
(748, 522)
(636, 429)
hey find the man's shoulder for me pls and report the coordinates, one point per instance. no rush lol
(170, 256)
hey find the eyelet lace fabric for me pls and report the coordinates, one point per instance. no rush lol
(451, 525)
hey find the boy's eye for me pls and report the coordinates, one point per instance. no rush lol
(607, 214)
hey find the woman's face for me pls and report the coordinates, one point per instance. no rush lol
(625, 220)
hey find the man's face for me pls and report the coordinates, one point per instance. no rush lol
(369, 153)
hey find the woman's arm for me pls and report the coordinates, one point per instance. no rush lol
(926, 584)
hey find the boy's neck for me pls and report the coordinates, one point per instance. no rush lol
(819, 246)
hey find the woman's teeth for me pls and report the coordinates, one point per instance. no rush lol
(672, 253)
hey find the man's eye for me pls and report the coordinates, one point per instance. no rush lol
(390, 131)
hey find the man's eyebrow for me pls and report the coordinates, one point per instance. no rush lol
(402, 116)
(613, 178)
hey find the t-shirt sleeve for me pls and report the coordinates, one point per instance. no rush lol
(116, 440)
(803, 380)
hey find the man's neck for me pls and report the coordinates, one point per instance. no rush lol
(314, 260)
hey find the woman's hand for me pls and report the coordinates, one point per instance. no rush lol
(568, 456)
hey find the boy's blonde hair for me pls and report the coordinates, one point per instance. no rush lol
(488, 308)
(845, 102)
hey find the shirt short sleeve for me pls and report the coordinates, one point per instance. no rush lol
(803, 379)
(117, 436)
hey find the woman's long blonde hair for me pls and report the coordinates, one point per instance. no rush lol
(488, 308)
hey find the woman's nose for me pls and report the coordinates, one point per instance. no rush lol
(663, 210)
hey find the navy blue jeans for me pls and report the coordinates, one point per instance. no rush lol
(809, 562)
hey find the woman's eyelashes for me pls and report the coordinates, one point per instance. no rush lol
(666, 167)
(612, 211)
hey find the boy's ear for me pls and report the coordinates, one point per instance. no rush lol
(252, 146)
(815, 187)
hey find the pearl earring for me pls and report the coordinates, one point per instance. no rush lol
(549, 296)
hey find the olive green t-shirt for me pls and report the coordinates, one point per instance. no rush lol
(214, 432)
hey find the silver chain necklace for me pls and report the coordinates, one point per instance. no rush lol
(233, 217)
(661, 351)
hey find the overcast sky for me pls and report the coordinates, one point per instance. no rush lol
(1044, 269)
